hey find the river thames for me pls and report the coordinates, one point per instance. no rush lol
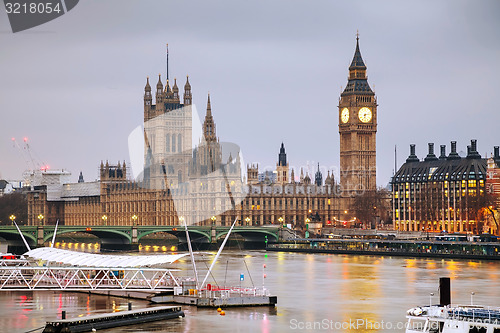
(316, 293)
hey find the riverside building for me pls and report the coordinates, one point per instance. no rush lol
(446, 192)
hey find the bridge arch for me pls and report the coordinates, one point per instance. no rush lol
(105, 235)
(252, 235)
(180, 234)
(13, 235)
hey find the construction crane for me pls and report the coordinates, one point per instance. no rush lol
(33, 164)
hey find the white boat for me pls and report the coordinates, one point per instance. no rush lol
(453, 319)
(446, 318)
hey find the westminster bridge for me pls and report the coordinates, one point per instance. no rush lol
(125, 237)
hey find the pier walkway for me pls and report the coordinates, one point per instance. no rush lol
(19, 276)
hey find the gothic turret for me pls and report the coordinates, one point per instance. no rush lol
(147, 88)
(175, 90)
(318, 178)
(282, 156)
(330, 179)
(252, 174)
(188, 99)
(148, 99)
(159, 91)
(307, 179)
(282, 166)
(208, 124)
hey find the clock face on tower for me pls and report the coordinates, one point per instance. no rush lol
(365, 114)
(344, 116)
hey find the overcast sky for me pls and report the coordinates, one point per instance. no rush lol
(274, 70)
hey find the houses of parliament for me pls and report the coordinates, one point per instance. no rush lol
(199, 179)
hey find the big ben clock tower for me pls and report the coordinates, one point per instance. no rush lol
(358, 130)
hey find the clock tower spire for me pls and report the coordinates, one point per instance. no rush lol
(358, 128)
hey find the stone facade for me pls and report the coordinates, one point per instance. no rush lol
(358, 129)
(203, 184)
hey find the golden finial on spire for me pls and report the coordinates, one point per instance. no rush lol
(357, 34)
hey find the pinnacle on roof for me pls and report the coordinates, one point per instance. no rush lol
(187, 85)
(167, 87)
(358, 83)
(357, 60)
(282, 156)
(159, 85)
(209, 107)
(147, 87)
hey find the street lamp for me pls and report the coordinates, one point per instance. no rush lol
(134, 218)
(12, 218)
(375, 216)
(213, 218)
(40, 217)
(247, 219)
(104, 219)
(281, 220)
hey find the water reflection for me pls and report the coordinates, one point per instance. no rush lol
(310, 289)
(82, 247)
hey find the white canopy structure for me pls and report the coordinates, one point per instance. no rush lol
(101, 260)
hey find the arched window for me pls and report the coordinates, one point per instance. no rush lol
(167, 143)
(179, 143)
(173, 143)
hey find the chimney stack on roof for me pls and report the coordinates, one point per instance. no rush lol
(430, 156)
(443, 152)
(453, 154)
(412, 157)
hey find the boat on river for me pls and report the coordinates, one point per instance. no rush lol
(453, 319)
(116, 319)
(447, 318)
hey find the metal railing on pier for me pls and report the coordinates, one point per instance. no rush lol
(85, 278)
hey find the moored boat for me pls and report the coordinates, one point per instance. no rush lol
(446, 318)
